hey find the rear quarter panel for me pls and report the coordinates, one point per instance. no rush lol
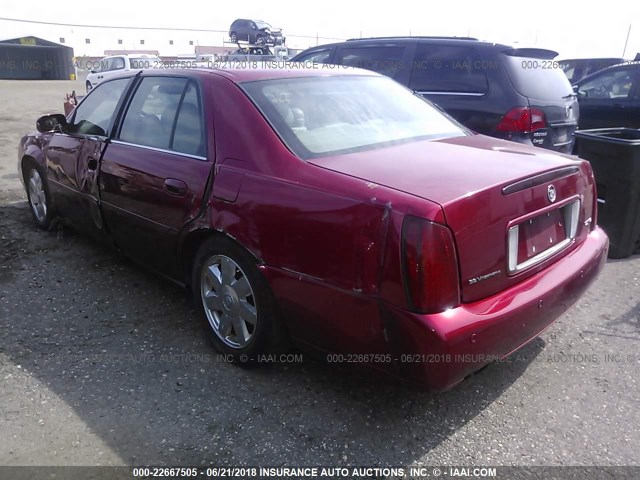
(327, 242)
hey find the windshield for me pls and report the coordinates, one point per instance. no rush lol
(320, 116)
(262, 25)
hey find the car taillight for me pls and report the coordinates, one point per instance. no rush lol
(430, 266)
(522, 120)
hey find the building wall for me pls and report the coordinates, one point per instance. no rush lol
(33, 62)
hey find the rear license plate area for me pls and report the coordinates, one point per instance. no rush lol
(560, 135)
(541, 236)
(540, 233)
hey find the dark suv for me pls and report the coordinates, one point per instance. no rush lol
(255, 32)
(520, 94)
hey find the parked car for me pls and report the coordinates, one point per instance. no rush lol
(255, 32)
(111, 66)
(496, 90)
(610, 98)
(578, 68)
(334, 209)
(256, 54)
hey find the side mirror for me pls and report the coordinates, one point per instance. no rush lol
(579, 93)
(51, 123)
(92, 71)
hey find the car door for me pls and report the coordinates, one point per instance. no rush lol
(154, 174)
(605, 98)
(72, 156)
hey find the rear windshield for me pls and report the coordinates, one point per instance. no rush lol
(538, 78)
(320, 116)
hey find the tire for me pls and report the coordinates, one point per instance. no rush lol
(39, 195)
(233, 37)
(89, 87)
(235, 300)
(260, 40)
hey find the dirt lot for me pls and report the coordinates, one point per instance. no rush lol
(103, 363)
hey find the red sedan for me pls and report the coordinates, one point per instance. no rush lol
(330, 208)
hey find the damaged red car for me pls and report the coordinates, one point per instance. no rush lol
(332, 209)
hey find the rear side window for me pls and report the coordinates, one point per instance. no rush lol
(188, 134)
(166, 113)
(537, 78)
(387, 60)
(450, 69)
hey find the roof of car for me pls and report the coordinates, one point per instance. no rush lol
(448, 40)
(239, 74)
(291, 70)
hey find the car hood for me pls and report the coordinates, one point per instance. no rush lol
(445, 170)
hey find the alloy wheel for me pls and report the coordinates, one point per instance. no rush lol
(228, 300)
(37, 195)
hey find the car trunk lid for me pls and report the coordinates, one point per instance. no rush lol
(486, 188)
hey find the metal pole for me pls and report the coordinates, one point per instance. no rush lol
(626, 41)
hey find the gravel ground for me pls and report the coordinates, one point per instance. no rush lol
(103, 363)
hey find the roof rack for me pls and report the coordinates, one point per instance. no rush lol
(407, 37)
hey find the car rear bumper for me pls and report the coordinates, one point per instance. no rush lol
(441, 350)
(544, 142)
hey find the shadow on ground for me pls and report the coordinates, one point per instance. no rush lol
(127, 352)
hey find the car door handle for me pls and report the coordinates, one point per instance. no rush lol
(92, 163)
(175, 187)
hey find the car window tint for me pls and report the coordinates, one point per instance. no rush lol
(385, 60)
(319, 56)
(93, 115)
(612, 84)
(150, 117)
(443, 68)
(188, 135)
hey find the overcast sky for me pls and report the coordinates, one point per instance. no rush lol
(575, 29)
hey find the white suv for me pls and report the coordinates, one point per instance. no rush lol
(110, 66)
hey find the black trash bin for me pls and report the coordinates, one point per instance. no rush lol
(614, 154)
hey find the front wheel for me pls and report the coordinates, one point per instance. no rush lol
(39, 197)
(260, 40)
(237, 303)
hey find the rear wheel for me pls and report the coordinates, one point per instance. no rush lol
(39, 196)
(236, 301)
(233, 37)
